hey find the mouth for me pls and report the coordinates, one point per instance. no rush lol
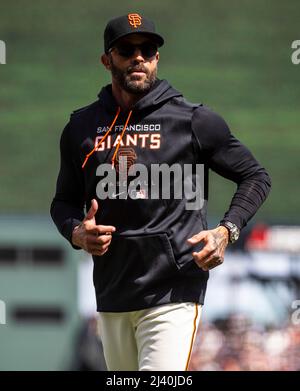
(137, 72)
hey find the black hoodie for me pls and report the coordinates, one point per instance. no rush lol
(149, 261)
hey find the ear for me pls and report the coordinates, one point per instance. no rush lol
(106, 61)
(157, 56)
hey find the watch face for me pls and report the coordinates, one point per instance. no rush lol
(235, 234)
(234, 231)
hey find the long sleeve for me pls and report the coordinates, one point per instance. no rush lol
(67, 207)
(228, 157)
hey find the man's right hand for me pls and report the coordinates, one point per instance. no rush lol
(92, 238)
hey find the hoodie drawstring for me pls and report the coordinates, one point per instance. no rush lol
(103, 138)
(119, 142)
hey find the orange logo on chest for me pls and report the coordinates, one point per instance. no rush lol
(129, 158)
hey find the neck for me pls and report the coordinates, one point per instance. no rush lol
(125, 99)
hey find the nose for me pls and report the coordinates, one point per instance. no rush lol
(137, 55)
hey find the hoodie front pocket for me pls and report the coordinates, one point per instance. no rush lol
(135, 263)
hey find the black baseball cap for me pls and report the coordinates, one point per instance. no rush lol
(129, 24)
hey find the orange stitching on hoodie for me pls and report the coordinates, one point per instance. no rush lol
(103, 138)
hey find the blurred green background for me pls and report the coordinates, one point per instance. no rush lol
(234, 56)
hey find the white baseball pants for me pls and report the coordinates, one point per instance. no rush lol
(154, 339)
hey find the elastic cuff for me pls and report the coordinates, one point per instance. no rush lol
(67, 231)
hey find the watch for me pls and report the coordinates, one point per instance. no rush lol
(233, 230)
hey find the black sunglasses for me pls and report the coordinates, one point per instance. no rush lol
(148, 49)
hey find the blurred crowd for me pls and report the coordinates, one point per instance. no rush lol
(234, 344)
(231, 344)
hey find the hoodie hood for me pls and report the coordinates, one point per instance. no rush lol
(161, 92)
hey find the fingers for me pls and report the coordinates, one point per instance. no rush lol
(97, 238)
(93, 240)
(100, 229)
(210, 255)
(98, 245)
(98, 252)
(99, 249)
(207, 250)
(197, 238)
(92, 211)
(211, 263)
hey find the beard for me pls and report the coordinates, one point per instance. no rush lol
(134, 84)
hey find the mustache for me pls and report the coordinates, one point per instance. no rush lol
(136, 68)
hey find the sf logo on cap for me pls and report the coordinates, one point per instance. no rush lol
(134, 20)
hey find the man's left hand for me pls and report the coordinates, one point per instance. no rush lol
(212, 254)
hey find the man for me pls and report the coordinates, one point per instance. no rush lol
(150, 272)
